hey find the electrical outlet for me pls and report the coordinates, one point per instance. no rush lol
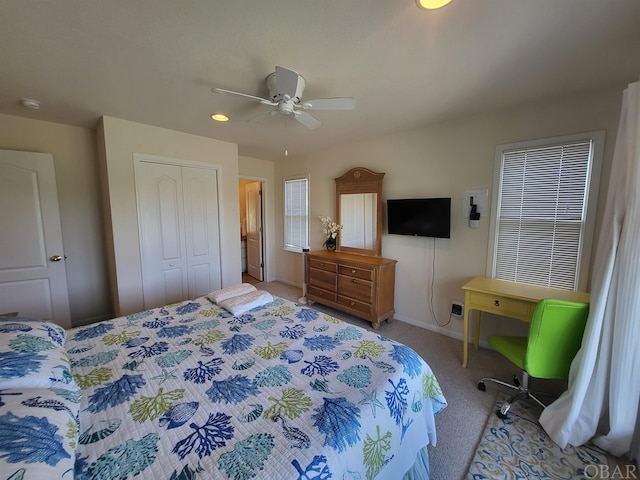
(457, 308)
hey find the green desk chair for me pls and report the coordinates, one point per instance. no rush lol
(555, 336)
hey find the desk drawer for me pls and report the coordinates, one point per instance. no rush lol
(509, 307)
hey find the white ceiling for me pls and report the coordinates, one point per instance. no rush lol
(155, 61)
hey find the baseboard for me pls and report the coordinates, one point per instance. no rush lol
(291, 284)
(437, 329)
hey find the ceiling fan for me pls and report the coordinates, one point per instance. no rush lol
(286, 88)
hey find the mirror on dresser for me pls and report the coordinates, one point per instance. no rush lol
(359, 211)
(355, 278)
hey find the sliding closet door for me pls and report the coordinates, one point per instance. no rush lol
(202, 233)
(162, 240)
(179, 231)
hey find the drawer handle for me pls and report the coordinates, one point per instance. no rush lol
(354, 280)
(496, 303)
(353, 271)
(353, 303)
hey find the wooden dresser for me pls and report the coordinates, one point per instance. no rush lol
(360, 285)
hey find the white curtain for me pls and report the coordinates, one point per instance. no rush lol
(603, 397)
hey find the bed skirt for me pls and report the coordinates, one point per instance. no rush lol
(420, 469)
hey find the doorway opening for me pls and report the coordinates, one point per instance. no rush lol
(251, 230)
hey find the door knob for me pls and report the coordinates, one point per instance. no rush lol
(55, 258)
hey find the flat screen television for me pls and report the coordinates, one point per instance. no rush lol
(420, 217)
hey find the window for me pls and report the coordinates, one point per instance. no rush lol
(296, 213)
(544, 207)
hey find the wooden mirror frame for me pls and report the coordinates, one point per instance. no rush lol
(361, 180)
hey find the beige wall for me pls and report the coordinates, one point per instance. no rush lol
(443, 160)
(74, 152)
(121, 140)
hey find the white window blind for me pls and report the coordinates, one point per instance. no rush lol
(541, 214)
(296, 214)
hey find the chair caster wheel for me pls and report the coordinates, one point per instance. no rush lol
(482, 387)
(501, 415)
(503, 411)
(516, 381)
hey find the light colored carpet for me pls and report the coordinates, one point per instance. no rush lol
(460, 426)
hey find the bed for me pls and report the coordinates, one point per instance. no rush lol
(190, 391)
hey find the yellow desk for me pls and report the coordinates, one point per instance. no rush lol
(509, 299)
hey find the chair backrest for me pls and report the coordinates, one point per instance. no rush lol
(555, 336)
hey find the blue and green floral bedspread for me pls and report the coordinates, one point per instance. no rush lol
(281, 392)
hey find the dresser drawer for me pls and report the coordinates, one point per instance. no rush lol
(322, 279)
(355, 288)
(322, 265)
(363, 307)
(509, 307)
(357, 272)
(318, 293)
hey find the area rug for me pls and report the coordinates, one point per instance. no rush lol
(518, 448)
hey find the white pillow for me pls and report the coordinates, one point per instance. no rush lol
(243, 303)
(223, 294)
(32, 355)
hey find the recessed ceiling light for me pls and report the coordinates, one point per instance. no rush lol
(431, 4)
(30, 103)
(220, 117)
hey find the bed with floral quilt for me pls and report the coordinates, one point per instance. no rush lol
(190, 391)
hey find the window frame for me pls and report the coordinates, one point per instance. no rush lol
(285, 246)
(592, 189)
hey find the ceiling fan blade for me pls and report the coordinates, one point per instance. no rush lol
(338, 103)
(262, 116)
(307, 119)
(252, 97)
(286, 81)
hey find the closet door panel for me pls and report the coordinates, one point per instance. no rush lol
(167, 220)
(202, 235)
(161, 223)
(173, 286)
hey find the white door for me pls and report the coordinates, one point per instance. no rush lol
(161, 223)
(179, 232)
(254, 230)
(33, 278)
(202, 230)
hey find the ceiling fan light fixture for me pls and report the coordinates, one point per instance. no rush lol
(220, 117)
(431, 4)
